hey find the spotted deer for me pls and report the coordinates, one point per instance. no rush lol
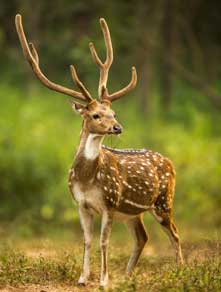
(115, 183)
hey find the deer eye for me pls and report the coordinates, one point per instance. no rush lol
(96, 116)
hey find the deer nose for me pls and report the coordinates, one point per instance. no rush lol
(117, 129)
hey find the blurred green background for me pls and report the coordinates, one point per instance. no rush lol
(175, 109)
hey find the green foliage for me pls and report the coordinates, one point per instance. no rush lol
(30, 166)
(39, 135)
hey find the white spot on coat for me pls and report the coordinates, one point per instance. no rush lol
(137, 205)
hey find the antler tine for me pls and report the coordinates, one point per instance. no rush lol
(127, 88)
(31, 56)
(104, 67)
(95, 56)
(34, 52)
(108, 43)
(79, 84)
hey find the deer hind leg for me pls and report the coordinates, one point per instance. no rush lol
(139, 234)
(86, 219)
(166, 221)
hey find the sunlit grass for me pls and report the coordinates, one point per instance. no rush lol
(57, 265)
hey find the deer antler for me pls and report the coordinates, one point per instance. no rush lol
(31, 56)
(104, 67)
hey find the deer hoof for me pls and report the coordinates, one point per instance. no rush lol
(82, 281)
(104, 282)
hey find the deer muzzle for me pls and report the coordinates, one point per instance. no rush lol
(117, 129)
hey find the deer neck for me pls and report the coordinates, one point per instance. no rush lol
(90, 145)
(87, 157)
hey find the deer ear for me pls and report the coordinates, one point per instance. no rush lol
(78, 108)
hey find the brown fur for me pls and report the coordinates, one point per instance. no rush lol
(143, 177)
(152, 185)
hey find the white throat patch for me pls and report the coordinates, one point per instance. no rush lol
(92, 146)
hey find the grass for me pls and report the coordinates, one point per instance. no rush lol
(46, 264)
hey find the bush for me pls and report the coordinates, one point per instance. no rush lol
(39, 135)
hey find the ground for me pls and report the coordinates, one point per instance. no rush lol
(52, 263)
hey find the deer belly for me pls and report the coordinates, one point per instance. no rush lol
(90, 198)
(123, 216)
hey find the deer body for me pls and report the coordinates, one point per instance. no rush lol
(117, 184)
(128, 181)
(122, 185)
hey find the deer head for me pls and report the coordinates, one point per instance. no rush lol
(98, 116)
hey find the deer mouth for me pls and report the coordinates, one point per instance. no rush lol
(114, 133)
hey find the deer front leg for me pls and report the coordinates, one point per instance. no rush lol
(106, 225)
(139, 234)
(87, 225)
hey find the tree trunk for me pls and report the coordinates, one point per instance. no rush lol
(167, 47)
